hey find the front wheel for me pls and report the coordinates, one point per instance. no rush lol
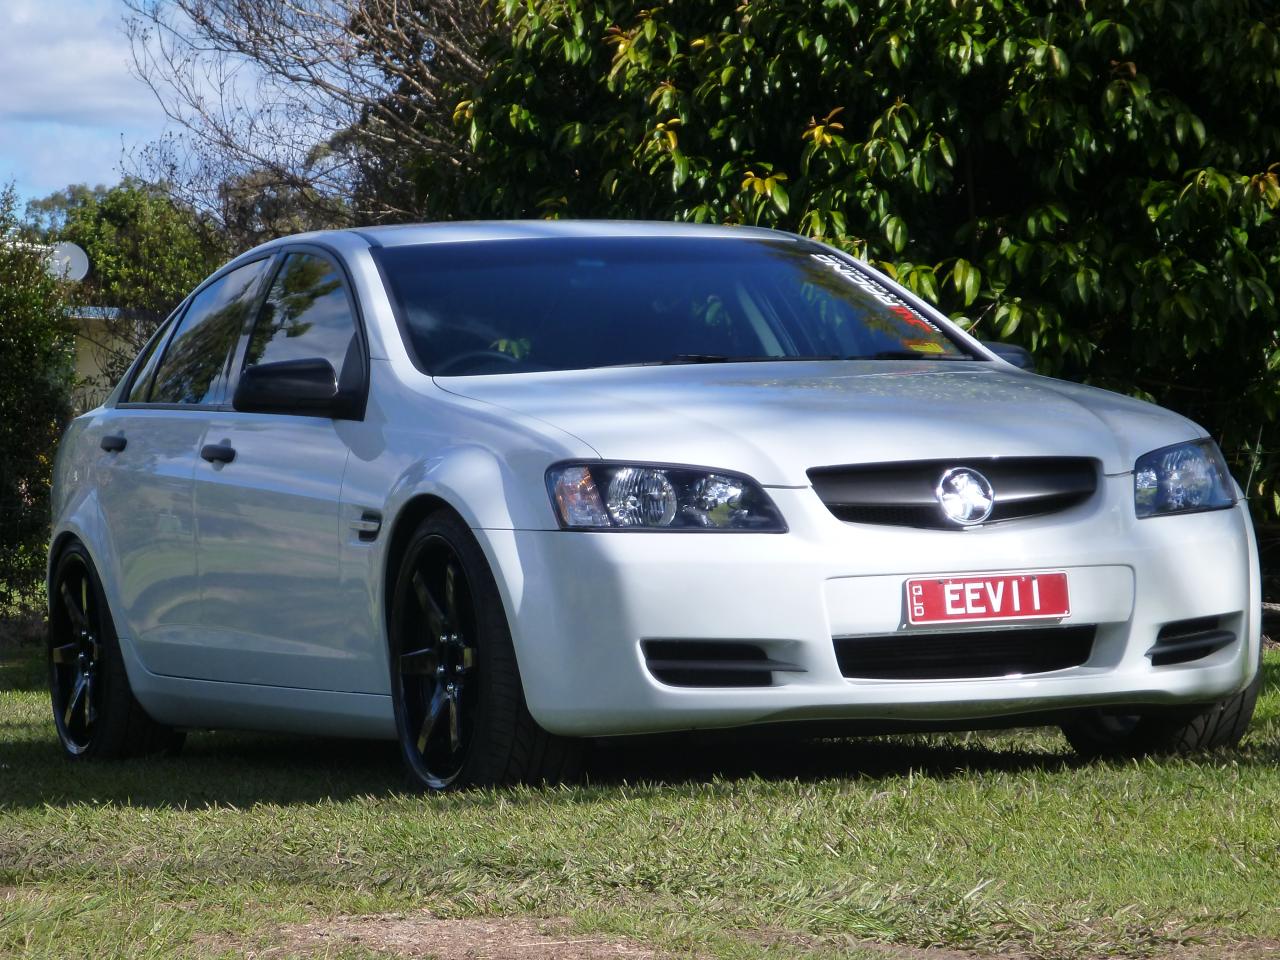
(1103, 733)
(459, 706)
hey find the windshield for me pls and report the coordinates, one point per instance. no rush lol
(514, 306)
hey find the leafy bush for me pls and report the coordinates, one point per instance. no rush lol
(146, 252)
(36, 360)
(1097, 181)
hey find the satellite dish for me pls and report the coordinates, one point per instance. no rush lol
(68, 262)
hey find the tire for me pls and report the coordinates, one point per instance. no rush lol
(94, 710)
(1115, 734)
(460, 711)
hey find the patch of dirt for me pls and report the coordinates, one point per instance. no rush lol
(1238, 950)
(483, 938)
(796, 943)
(517, 938)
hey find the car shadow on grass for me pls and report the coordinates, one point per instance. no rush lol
(218, 769)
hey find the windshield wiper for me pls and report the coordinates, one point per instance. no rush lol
(691, 358)
(680, 358)
(909, 355)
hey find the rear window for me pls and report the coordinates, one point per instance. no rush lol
(513, 306)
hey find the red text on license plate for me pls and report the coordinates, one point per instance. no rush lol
(992, 596)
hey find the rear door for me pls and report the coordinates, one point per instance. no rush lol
(150, 442)
(270, 520)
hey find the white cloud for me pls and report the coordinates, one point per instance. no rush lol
(67, 97)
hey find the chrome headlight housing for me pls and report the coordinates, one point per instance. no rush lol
(1184, 478)
(640, 496)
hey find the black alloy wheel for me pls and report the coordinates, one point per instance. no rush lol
(75, 656)
(94, 710)
(437, 667)
(459, 705)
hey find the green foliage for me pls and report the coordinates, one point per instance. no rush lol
(1096, 181)
(35, 355)
(146, 252)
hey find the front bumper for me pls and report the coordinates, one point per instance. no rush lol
(581, 604)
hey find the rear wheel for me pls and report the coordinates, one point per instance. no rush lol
(94, 709)
(459, 705)
(1117, 733)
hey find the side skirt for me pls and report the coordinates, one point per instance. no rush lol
(182, 702)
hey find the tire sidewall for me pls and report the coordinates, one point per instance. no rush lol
(494, 653)
(112, 704)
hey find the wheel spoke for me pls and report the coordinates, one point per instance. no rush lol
(90, 700)
(451, 595)
(73, 611)
(435, 616)
(66, 654)
(74, 700)
(84, 599)
(455, 722)
(419, 662)
(434, 710)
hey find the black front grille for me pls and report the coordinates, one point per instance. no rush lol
(702, 663)
(1185, 640)
(905, 494)
(968, 654)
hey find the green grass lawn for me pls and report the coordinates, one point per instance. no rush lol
(997, 843)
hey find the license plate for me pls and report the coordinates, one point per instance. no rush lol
(990, 596)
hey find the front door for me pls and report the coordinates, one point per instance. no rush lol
(268, 508)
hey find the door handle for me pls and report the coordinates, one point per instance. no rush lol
(218, 452)
(113, 443)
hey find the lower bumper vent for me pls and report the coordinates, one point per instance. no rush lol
(699, 663)
(964, 655)
(1185, 640)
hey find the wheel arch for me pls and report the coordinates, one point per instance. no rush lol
(74, 532)
(57, 547)
(416, 509)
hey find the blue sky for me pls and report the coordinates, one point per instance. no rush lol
(69, 106)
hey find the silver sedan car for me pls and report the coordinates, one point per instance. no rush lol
(491, 489)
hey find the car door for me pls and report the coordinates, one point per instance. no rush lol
(269, 518)
(149, 442)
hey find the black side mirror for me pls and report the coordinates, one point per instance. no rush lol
(308, 387)
(1020, 357)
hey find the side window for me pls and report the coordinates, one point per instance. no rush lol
(141, 385)
(307, 314)
(197, 354)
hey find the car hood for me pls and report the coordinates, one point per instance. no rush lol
(774, 421)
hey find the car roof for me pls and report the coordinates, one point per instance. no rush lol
(463, 231)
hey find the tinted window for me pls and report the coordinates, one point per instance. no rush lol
(147, 365)
(564, 303)
(197, 354)
(306, 315)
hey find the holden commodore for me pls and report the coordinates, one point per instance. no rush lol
(493, 489)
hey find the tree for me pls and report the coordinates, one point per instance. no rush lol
(36, 355)
(146, 252)
(319, 101)
(1098, 181)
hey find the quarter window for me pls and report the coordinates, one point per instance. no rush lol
(307, 315)
(197, 355)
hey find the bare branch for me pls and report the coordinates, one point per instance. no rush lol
(325, 101)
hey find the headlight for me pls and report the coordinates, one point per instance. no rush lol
(1184, 478)
(638, 496)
